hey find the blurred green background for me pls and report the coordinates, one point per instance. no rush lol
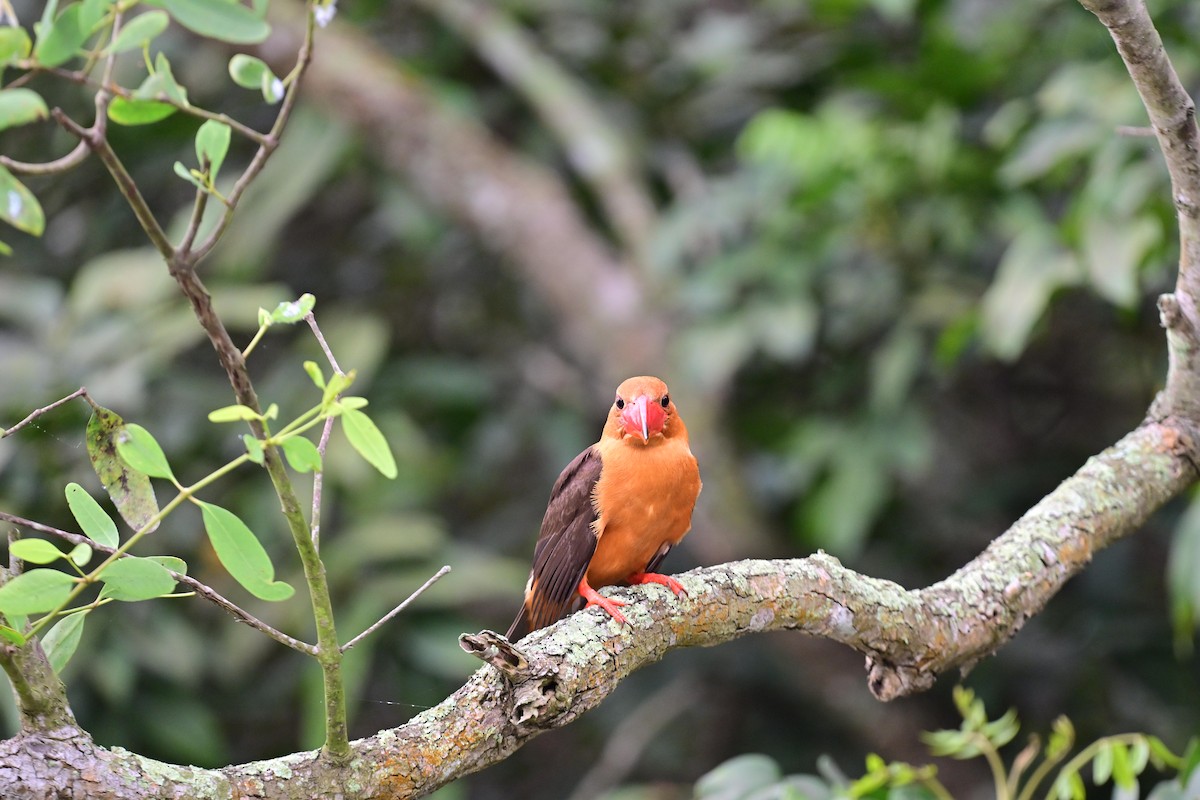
(896, 258)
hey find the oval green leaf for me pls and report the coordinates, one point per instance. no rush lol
(370, 443)
(14, 44)
(138, 112)
(18, 206)
(212, 143)
(254, 448)
(132, 579)
(141, 452)
(93, 521)
(80, 554)
(301, 454)
(61, 640)
(35, 592)
(242, 554)
(20, 107)
(248, 71)
(36, 551)
(173, 563)
(62, 39)
(218, 19)
(238, 413)
(130, 491)
(140, 31)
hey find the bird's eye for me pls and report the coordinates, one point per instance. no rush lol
(620, 403)
(666, 400)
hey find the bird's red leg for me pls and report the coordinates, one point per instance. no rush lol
(663, 580)
(594, 599)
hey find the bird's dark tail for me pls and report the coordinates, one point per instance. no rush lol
(521, 626)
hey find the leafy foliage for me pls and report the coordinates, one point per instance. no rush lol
(1120, 759)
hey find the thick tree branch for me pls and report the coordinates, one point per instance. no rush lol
(908, 636)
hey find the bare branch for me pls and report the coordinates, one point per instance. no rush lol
(80, 392)
(437, 576)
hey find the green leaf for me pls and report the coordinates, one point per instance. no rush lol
(80, 554)
(352, 402)
(18, 206)
(62, 639)
(35, 592)
(291, 312)
(338, 383)
(314, 372)
(173, 563)
(36, 551)
(1122, 770)
(242, 554)
(62, 39)
(212, 144)
(12, 635)
(5, 249)
(301, 454)
(91, 12)
(1139, 755)
(218, 19)
(161, 84)
(138, 112)
(139, 31)
(254, 448)
(20, 107)
(248, 71)
(14, 44)
(1061, 739)
(93, 521)
(131, 491)
(369, 441)
(738, 777)
(273, 89)
(236, 413)
(141, 452)
(190, 175)
(132, 579)
(1160, 755)
(1102, 765)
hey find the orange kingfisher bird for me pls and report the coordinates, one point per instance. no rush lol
(615, 511)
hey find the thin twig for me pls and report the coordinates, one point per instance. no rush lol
(67, 162)
(319, 483)
(80, 392)
(311, 319)
(437, 576)
(201, 589)
(189, 237)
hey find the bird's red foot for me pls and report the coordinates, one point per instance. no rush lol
(663, 580)
(595, 599)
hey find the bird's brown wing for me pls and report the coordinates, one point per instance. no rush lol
(564, 547)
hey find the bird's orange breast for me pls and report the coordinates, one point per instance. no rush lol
(644, 499)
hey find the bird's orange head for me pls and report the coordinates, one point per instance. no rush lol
(643, 411)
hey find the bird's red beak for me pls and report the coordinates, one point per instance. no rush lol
(643, 418)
